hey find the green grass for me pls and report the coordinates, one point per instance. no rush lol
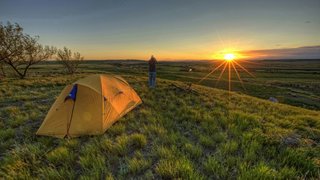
(202, 134)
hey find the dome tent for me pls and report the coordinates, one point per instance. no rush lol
(89, 106)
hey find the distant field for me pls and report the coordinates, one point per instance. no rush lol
(175, 133)
(294, 82)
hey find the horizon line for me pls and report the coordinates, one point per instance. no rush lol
(267, 59)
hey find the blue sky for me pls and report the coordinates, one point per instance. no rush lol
(183, 29)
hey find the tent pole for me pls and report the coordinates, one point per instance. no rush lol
(69, 124)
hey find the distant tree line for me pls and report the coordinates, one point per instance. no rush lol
(20, 51)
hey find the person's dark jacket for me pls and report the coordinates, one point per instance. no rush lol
(152, 64)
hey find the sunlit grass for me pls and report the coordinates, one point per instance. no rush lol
(173, 134)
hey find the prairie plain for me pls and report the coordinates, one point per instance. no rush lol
(200, 133)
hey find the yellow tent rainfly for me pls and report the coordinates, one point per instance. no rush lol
(89, 106)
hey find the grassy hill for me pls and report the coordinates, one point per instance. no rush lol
(175, 133)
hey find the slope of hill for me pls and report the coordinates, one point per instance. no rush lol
(203, 133)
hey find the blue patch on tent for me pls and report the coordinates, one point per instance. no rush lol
(73, 93)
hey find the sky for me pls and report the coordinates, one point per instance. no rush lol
(172, 30)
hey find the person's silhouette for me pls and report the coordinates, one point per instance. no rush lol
(152, 72)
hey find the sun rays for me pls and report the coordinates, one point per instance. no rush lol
(230, 65)
(234, 59)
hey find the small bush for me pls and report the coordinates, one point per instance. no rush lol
(69, 60)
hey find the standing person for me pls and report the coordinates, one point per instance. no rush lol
(152, 72)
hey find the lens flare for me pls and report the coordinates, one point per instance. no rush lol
(229, 65)
(229, 57)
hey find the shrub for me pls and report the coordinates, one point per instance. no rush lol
(69, 61)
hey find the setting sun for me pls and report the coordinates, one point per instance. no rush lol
(229, 57)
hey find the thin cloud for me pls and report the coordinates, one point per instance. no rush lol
(305, 52)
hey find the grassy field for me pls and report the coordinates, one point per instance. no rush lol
(205, 133)
(294, 82)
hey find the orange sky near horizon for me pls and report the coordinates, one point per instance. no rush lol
(213, 48)
(172, 30)
(251, 54)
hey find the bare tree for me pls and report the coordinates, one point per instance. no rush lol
(11, 45)
(2, 72)
(33, 54)
(20, 51)
(70, 61)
